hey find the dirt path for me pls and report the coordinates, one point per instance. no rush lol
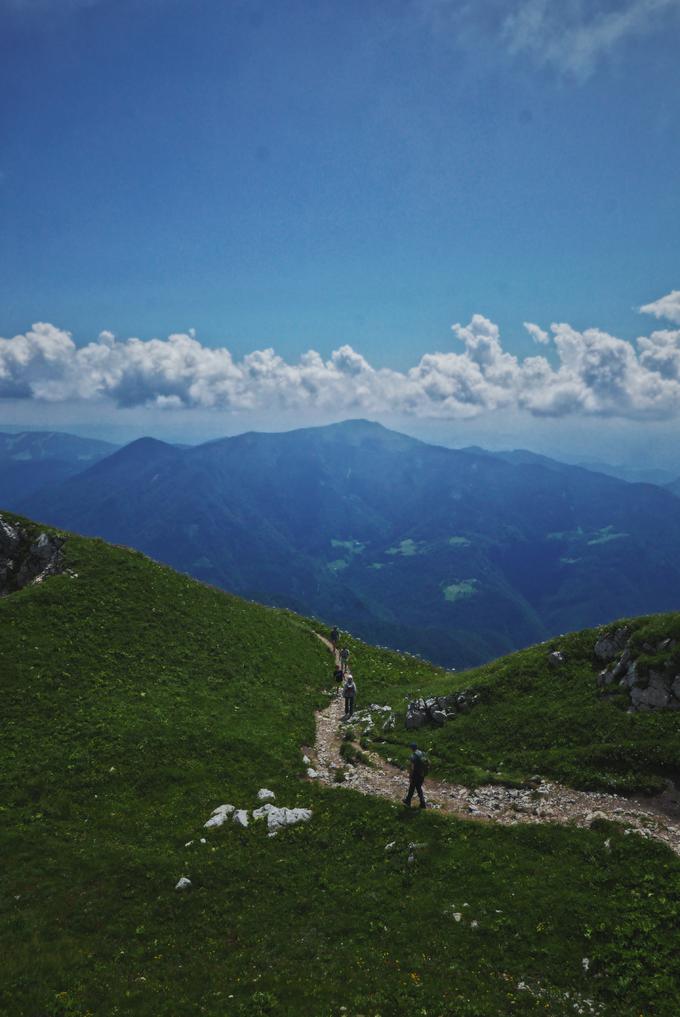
(547, 803)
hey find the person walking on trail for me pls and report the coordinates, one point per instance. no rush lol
(417, 773)
(338, 674)
(349, 692)
(335, 637)
(344, 658)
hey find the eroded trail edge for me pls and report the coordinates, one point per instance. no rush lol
(547, 803)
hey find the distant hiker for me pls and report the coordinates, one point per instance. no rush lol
(417, 773)
(338, 674)
(344, 658)
(349, 691)
(335, 636)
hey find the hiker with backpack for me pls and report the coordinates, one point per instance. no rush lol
(338, 674)
(335, 636)
(344, 658)
(349, 692)
(417, 773)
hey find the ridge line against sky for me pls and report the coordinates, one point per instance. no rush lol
(595, 374)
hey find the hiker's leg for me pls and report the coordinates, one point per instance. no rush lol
(419, 789)
(351, 705)
(409, 793)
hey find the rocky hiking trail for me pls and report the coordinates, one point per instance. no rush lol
(546, 802)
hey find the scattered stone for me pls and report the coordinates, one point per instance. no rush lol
(264, 795)
(391, 846)
(594, 817)
(184, 884)
(556, 659)
(278, 818)
(312, 773)
(219, 816)
(241, 818)
(306, 760)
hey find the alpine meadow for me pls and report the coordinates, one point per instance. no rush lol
(339, 508)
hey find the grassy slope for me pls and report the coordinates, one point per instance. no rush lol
(135, 700)
(532, 719)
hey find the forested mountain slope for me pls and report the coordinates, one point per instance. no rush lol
(457, 555)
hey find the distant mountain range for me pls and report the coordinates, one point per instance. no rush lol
(459, 555)
(30, 460)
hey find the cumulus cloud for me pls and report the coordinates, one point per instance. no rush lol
(588, 373)
(537, 333)
(665, 307)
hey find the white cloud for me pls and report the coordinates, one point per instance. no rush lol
(592, 373)
(569, 36)
(665, 307)
(536, 333)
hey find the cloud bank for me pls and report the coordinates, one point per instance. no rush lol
(588, 373)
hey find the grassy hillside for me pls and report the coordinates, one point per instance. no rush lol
(534, 719)
(135, 701)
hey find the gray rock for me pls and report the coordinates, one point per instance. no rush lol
(556, 659)
(265, 795)
(241, 818)
(219, 817)
(630, 677)
(438, 716)
(278, 819)
(605, 677)
(611, 644)
(654, 697)
(623, 664)
(416, 715)
(183, 884)
(675, 686)
(21, 562)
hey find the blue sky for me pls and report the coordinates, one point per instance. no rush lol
(310, 175)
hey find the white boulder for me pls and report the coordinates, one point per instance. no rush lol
(184, 884)
(264, 795)
(312, 773)
(241, 818)
(278, 819)
(219, 816)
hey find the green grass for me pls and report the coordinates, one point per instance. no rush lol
(136, 700)
(533, 719)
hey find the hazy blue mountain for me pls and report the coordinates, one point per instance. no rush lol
(30, 460)
(633, 474)
(458, 555)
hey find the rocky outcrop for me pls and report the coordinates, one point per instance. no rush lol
(438, 709)
(651, 687)
(26, 559)
(611, 644)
